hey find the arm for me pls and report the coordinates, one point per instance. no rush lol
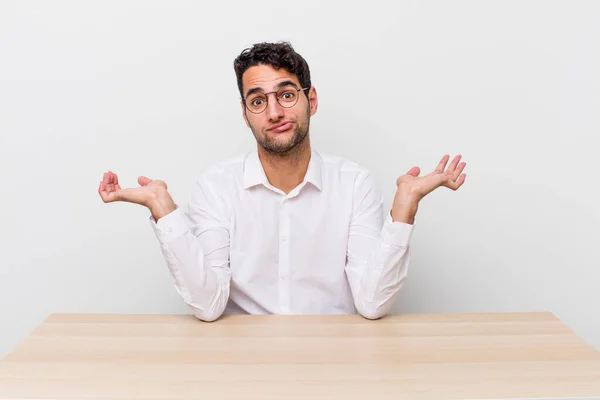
(377, 260)
(378, 253)
(195, 246)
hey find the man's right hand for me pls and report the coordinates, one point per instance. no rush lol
(152, 194)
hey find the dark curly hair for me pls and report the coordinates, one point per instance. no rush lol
(277, 55)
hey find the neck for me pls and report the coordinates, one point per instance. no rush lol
(285, 171)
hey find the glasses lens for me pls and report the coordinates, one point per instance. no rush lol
(256, 102)
(287, 96)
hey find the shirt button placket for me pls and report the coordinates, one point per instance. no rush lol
(284, 257)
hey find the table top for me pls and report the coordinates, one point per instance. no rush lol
(412, 356)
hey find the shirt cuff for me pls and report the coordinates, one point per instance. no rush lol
(396, 233)
(171, 226)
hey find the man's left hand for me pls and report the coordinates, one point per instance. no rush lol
(411, 188)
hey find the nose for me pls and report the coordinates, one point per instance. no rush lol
(274, 110)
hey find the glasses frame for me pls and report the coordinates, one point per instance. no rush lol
(276, 98)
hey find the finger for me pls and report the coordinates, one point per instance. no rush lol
(414, 171)
(105, 177)
(442, 165)
(102, 191)
(115, 178)
(453, 164)
(143, 181)
(455, 175)
(459, 182)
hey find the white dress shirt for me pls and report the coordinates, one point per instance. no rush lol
(244, 246)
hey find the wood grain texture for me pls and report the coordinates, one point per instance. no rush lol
(414, 356)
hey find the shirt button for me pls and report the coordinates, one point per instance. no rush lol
(284, 238)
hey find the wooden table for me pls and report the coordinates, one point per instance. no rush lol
(499, 355)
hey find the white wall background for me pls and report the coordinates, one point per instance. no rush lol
(148, 88)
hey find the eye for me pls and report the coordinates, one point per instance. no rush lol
(288, 95)
(256, 102)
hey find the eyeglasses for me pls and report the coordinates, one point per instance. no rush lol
(286, 97)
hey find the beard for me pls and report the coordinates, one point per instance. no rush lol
(283, 144)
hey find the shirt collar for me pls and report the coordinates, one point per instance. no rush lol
(254, 173)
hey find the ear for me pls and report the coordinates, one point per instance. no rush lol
(244, 113)
(314, 100)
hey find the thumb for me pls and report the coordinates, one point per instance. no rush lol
(414, 171)
(143, 181)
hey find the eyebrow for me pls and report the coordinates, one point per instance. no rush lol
(279, 86)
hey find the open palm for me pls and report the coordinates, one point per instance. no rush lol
(111, 191)
(415, 187)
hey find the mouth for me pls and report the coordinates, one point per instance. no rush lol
(281, 127)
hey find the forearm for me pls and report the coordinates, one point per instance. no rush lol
(378, 251)
(404, 211)
(198, 264)
(202, 286)
(380, 278)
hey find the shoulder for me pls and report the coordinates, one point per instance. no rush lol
(347, 170)
(215, 185)
(223, 173)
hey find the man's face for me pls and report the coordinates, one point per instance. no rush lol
(277, 129)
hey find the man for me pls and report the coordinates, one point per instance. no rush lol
(285, 229)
